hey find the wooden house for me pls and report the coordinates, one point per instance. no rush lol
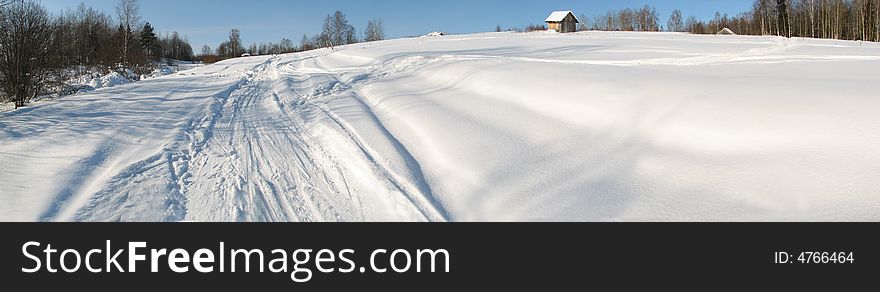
(562, 21)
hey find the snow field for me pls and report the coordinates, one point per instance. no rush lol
(593, 126)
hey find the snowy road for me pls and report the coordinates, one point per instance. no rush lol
(226, 144)
(593, 126)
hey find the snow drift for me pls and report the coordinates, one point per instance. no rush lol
(486, 127)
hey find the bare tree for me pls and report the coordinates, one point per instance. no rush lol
(235, 46)
(206, 50)
(583, 22)
(692, 25)
(647, 19)
(337, 31)
(24, 48)
(675, 23)
(344, 31)
(350, 35)
(286, 46)
(783, 18)
(376, 32)
(128, 12)
(306, 43)
(812, 18)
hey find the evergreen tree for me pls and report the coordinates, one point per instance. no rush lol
(149, 41)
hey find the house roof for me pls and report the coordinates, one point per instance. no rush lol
(726, 31)
(558, 16)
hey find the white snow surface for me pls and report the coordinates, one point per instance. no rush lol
(109, 80)
(594, 126)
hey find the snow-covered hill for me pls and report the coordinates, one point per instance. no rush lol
(499, 126)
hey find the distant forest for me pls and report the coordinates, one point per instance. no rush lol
(40, 53)
(833, 19)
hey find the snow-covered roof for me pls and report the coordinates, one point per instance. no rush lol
(558, 16)
(726, 31)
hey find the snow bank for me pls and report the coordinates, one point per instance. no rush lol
(91, 81)
(109, 80)
(165, 70)
(487, 127)
(5, 106)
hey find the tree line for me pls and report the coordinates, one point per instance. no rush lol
(832, 19)
(645, 18)
(336, 31)
(628, 19)
(39, 51)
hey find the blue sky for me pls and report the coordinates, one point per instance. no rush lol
(209, 21)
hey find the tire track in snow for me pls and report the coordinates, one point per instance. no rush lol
(152, 189)
(330, 86)
(419, 194)
(340, 85)
(256, 169)
(248, 157)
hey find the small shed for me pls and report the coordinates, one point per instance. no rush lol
(726, 31)
(562, 21)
